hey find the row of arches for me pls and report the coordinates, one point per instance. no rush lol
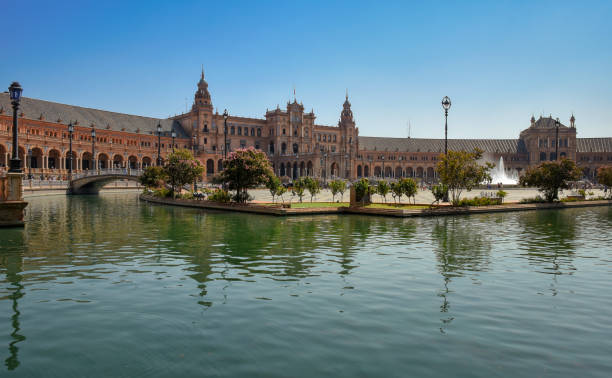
(397, 172)
(295, 170)
(35, 158)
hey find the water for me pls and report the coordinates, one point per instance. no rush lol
(107, 286)
(499, 175)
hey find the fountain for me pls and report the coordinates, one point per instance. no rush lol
(500, 176)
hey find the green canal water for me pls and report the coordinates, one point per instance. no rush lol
(110, 286)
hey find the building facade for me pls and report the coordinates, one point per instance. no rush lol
(295, 144)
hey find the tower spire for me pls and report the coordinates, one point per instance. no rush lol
(202, 71)
(346, 94)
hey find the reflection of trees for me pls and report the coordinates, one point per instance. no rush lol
(461, 246)
(549, 238)
(11, 263)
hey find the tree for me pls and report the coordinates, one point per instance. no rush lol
(363, 190)
(152, 177)
(383, 189)
(312, 186)
(337, 186)
(409, 188)
(604, 176)
(396, 191)
(298, 188)
(245, 169)
(459, 170)
(274, 184)
(181, 169)
(439, 192)
(551, 176)
(342, 186)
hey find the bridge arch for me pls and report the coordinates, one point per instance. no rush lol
(92, 183)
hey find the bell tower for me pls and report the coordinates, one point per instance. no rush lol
(202, 111)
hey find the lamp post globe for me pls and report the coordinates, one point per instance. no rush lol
(15, 91)
(173, 137)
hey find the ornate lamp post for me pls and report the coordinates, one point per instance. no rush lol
(93, 149)
(383, 166)
(159, 130)
(225, 116)
(15, 91)
(557, 124)
(173, 137)
(446, 104)
(70, 131)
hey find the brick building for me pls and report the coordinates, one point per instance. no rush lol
(295, 144)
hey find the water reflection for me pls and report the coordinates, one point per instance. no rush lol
(11, 264)
(548, 240)
(462, 245)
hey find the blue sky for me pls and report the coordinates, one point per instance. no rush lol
(499, 61)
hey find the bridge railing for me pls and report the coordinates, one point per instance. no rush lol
(108, 171)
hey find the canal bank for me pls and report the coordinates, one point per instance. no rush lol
(389, 212)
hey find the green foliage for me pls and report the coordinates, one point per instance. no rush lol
(438, 191)
(187, 195)
(298, 188)
(162, 192)
(383, 189)
(245, 169)
(409, 188)
(274, 185)
(604, 176)
(502, 194)
(337, 186)
(396, 191)
(536, 199)
(459, 170)
(479, 201)
(312, 186)
(152, 177)
(582, 192)
(181, 169)
(219, 195)
(363, 190)
(549, 177)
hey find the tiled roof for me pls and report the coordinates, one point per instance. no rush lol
(594, 144)
(547, 123)
(52, 111)
(436, 145)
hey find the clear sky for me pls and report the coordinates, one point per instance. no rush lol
(499, 61)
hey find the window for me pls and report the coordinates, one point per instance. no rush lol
(240, 130)
(542, 156)
(232, 130)
(295, 148)
(319, 137)
(283, 148)
(284, 133)
(252, 132)
(334, 137)
(324, 138)
(258, 132)
(205, 141)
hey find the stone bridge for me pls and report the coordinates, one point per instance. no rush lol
(92, 181)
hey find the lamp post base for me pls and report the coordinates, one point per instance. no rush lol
(15, 166)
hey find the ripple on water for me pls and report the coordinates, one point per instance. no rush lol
(123, 288)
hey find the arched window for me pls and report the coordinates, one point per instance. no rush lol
(271, 148)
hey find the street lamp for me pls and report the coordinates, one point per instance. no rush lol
(557, 124)
(159, 130)
(446, 104)
(15, 95)
(70, 131)
(173, 136)
(93, 149)
(225, 116)
(383, 164)
(29, 163)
